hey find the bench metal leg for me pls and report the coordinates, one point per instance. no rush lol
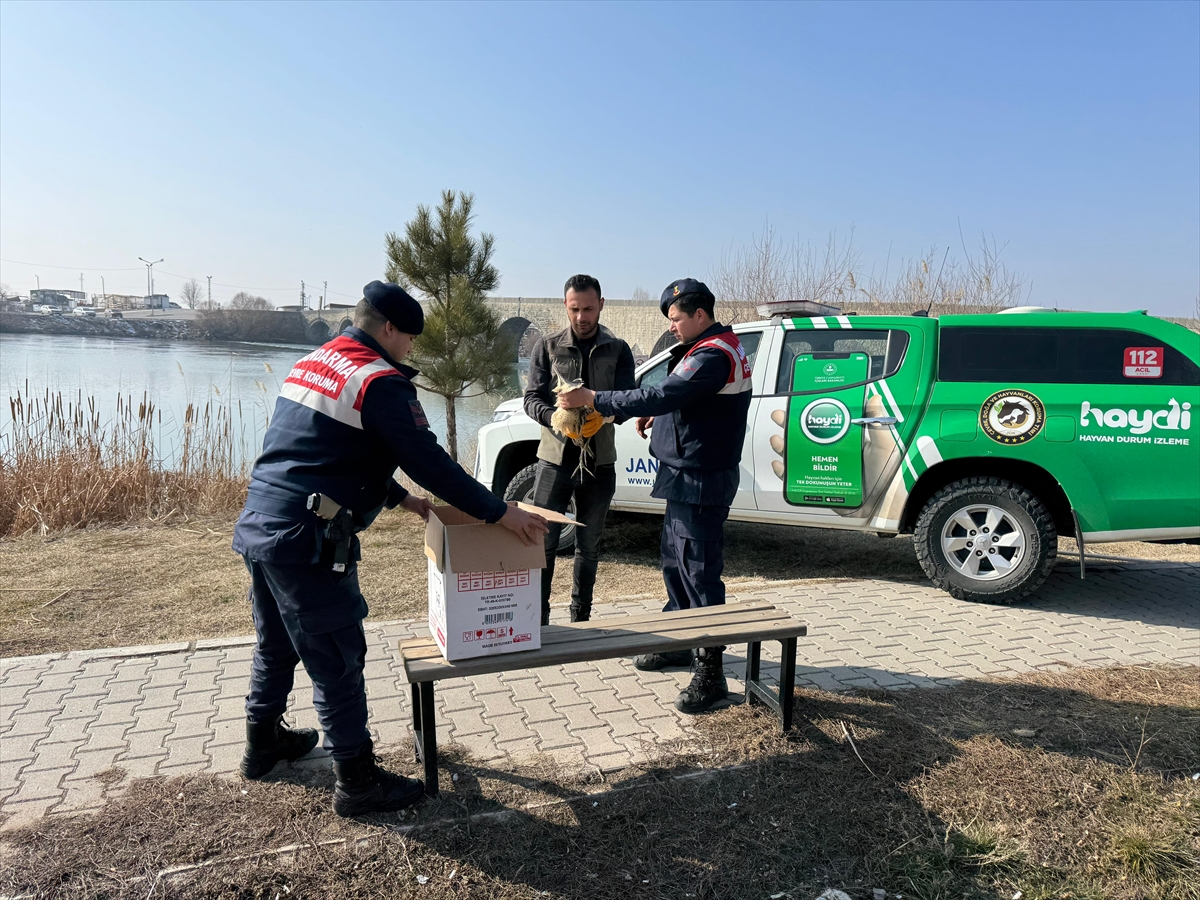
(787, 681)
(416, 709)
(425, 733)
(781, 704)
(753, 655)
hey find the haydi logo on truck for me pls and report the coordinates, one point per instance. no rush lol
(1175, 417)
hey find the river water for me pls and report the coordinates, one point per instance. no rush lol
(245, 378)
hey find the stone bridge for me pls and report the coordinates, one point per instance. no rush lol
(528, 318)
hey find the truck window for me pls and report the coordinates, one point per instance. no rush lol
(1061, 356)
(885, 349)
(749, 340)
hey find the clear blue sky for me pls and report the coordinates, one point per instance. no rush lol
(265, 143)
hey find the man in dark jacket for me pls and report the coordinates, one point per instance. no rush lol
(587, 351)
(698, 413)
(346, 418)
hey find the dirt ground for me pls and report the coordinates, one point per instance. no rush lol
(151, 584)
(1079, 785)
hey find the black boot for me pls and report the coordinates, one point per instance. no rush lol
(652, 662)
(270, 741)
(362, 787)
(708, 686)
(580, 612)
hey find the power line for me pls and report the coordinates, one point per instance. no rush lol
(246, 287)
(240, 287)
(18, 262)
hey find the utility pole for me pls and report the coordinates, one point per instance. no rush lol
(150, 275)
(324, 291)
(210, 292)
(81, 282)
(103, 293)
(302, 295)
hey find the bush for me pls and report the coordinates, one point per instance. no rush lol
(61, 467)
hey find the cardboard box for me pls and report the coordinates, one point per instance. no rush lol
(485, 585)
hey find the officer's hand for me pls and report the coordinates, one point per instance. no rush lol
(643, 424)
(417, 505)
(576, 398)
(529, 527)
(593, 423)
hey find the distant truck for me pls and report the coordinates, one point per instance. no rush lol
(984, 436)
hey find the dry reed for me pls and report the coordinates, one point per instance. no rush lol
(62, 466)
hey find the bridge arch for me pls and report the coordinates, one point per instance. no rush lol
(522, 334)
(665, 340)
(344, 324)
(317, 331)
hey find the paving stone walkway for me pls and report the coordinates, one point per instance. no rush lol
(177, 709)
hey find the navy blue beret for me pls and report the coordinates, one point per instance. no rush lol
(395, 305)
(676, 290)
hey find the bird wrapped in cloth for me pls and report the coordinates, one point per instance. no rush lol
(577, 425)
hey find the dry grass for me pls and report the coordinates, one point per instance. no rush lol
(150, 584)
(1050, 785)
(62, 466)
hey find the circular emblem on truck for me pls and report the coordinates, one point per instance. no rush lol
(1012, 417)
(825, 421)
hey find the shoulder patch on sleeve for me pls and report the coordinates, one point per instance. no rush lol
(418, 414)
(687, 368)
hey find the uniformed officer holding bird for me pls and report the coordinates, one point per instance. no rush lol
(698, 414)
(347, 417)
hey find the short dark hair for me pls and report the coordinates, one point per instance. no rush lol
(689, 303)
(368, 318)
(582, 283)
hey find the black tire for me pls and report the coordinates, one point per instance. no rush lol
(945, 546)
(521, 488)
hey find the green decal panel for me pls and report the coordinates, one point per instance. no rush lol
(824, 451)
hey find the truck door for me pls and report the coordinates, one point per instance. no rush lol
(832, 436)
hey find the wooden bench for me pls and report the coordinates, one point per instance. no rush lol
(734, 623)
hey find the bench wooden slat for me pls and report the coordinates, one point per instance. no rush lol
(615, 641)
(663, 624)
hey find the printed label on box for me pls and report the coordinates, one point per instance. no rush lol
(486, 581)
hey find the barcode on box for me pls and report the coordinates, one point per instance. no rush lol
(488, 581)
(495, 618)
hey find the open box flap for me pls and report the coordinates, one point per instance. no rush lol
(474, 546)
(550, 515)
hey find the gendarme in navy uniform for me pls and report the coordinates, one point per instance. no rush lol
(698, 415)
(347, 417)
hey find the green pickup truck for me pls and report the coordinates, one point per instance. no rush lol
(984, 436)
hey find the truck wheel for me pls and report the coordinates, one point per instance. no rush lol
(986, 539)
(521, 488)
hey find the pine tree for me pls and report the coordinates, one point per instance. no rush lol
(461, 348)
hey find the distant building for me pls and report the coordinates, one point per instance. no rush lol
(158, 301)
(61, 299)
(119, 301)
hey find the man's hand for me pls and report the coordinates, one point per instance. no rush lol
(529, 527)
(593, 423)
(416, 505)
(642, 424)
(577, 398)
